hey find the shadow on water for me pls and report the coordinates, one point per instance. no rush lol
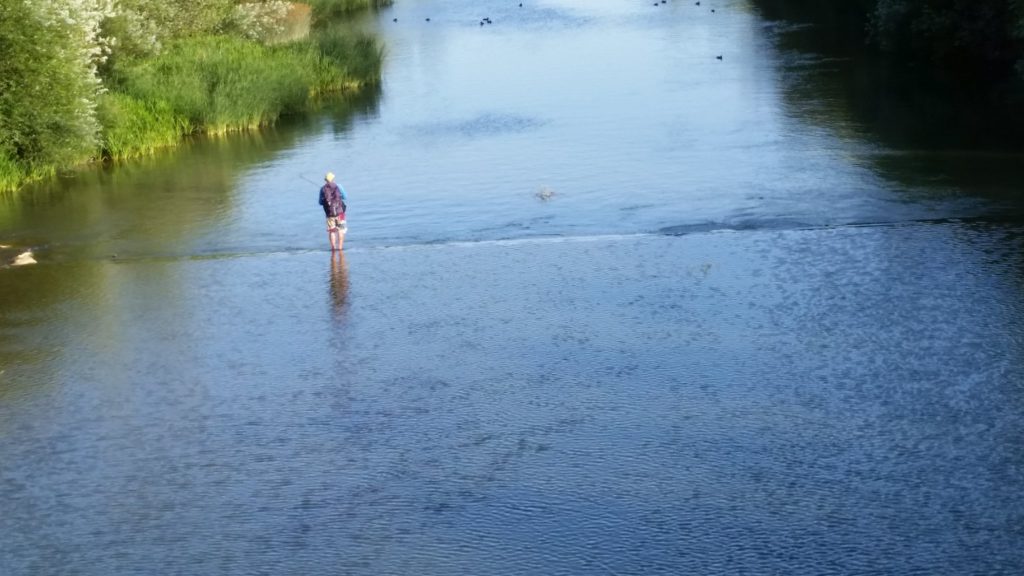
(941, 137)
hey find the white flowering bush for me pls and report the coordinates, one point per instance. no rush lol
(49, 82)
(142, 27)
(260, 21)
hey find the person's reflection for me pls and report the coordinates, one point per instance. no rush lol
(339, 281)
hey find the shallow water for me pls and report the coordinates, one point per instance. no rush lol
(748, 333)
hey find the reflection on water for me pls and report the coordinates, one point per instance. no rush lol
(338, 283)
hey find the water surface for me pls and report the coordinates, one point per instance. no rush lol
(750, 332)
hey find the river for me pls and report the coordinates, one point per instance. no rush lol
(609, 304)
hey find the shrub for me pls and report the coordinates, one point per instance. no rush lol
(48, 84)
(962, 36)
(297, 22)
(261, 21)
(141, 28)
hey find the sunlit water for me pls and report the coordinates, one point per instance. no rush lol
(746, 333)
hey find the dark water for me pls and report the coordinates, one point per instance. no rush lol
(751, 331)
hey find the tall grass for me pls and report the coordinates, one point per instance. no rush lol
(11, 173)
(133, 128)
(222, 83)
(219, 84)
(345, 61)
(328, 9)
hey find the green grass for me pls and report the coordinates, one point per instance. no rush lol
(345, 61)
(213, 85)
(134, 128)
(329, 9)
(16, 171)
(217, 84)
(220, 84)
(11, 173)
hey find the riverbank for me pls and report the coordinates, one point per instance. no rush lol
(234, 71)
(216, 85)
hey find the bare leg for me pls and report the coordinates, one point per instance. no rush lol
(341, 239)
(332, 237)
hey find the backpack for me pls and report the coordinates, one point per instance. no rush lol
(326, 201)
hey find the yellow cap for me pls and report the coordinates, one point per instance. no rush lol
(329, 177)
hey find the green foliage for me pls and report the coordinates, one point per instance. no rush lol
(11, 173)
(141, 28)
(222, 83)
(133, 128)
(346, 60)
(262, 21)
(177, 18)
(1018, 31)
(171, 67)
(47, 91)
(953, 34)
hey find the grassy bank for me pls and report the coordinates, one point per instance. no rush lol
(219, 84)
(146, 100)
(215, 85)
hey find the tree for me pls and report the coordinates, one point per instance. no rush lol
(48, 82)
(962, 36)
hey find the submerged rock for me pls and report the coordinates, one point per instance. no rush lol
(23, 259)
(545, 194)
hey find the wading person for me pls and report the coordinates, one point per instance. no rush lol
(332, 198)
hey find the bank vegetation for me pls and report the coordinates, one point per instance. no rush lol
(85, 80)
(961, 40)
